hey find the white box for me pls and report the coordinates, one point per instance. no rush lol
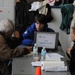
(8, 3)
(7, 12)
(52, 64)
(1, 3)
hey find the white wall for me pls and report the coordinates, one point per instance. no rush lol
(55, 24)
(7, 9)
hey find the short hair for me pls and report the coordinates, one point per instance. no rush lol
(6, 25)
(41, 18)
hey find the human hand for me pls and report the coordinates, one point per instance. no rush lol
(17, 34)
(68, 50)
(29, 48)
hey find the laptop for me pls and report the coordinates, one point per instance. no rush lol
(49, 40)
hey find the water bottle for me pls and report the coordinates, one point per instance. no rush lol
(35, 52)
(43, 54)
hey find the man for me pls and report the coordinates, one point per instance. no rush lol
(40, 25)
(7, 51)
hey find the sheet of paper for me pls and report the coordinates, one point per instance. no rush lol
(37, 63)
(54, 55)
(51, 58)
(56, 68)
(43, 40)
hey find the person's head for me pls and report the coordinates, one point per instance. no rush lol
(7, 27)
(72, 34)
(40, 22)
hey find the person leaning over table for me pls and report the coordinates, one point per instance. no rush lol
(71, 52)
(7, 52)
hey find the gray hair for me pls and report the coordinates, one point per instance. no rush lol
(6, 25)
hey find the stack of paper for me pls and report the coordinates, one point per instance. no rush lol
(53, 63)
(53, 56)
(54, 66)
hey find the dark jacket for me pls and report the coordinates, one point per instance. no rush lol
(67, 16)
(23, 18)
(49, 17)
(72, 59)
(60, 2)
(28, 35)
(70, 1)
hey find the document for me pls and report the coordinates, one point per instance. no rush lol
(50, 58)
(36, 63)
(54, 56)
(43, 40)
(56, 68)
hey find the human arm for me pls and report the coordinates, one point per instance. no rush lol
(6, 53)
(28, 36)
(72, 54)
(27, 42)
(68, 52)
(28, 39)
(26, 33)
(29, 33)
